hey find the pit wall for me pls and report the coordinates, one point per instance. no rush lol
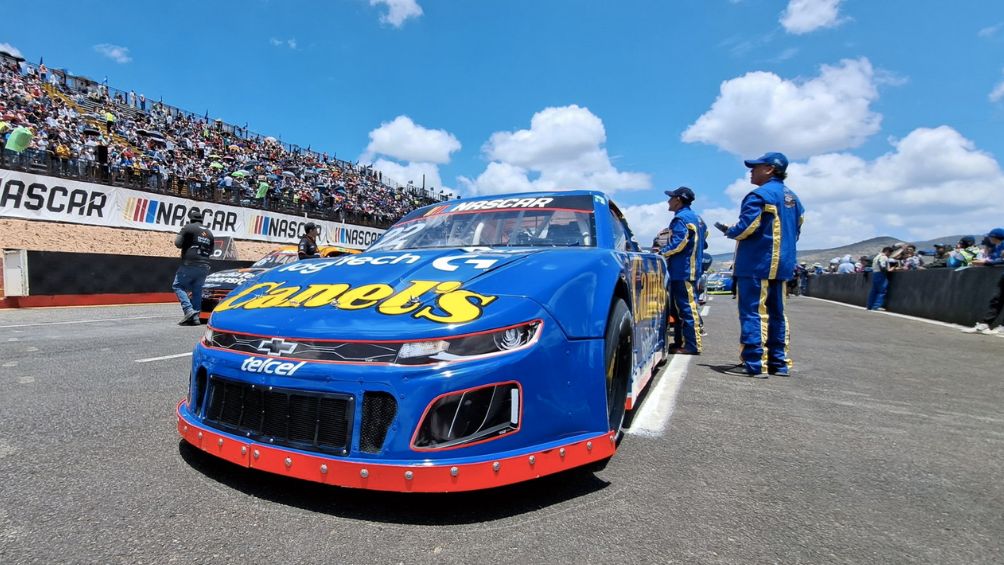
(953, 296)
(75, 279)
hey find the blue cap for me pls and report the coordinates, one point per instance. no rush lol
(683, 193)
(776, 160)
(996, 233)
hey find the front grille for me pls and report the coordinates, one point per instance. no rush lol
(295, 418)
(379, 409)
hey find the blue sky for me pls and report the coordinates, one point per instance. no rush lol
(891, 111)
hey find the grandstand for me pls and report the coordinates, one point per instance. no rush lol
(85, 130)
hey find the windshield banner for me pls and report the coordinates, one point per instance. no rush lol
(37, 197)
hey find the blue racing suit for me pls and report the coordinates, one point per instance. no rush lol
(769, 225)
(684, 253)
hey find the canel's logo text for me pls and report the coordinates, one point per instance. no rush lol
(452, 304)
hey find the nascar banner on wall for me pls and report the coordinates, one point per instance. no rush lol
(38, 197)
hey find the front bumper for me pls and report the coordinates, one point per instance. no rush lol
(562, 421)
(417, 476)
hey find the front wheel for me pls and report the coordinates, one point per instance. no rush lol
(619, 351)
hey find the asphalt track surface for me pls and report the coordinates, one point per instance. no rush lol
(886, 446)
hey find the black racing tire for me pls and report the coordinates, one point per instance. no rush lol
(617, 358)
(618, 363)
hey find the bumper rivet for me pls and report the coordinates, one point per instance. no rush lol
(561, 452)
(613, 439)
(255, 454)
(589, 445)
(324, 469)
(288, 462)
(186, 428)
(496, 466)
(244, 450)
(408, 475)
(200, 435)
(219, 442)
(364, 473)
(533, 459)
(454, 471)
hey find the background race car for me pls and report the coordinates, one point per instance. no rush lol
(477, 343)
(719, 283)
(220, 283)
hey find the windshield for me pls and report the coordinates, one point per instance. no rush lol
(274, 259)
(539, 227)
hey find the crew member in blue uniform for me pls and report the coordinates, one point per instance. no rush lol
(770, 221)
(684, 253)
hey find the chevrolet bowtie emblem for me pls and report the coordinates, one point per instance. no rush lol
(276, 347)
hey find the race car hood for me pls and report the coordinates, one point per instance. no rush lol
(379, 295)
(231, 278)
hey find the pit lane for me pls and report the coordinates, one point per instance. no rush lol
(885, 447)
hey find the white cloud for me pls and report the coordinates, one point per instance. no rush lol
(562, 150)
(291, 42)
(990, 31)
(934, 182)
(8, 48)
(116, 53)
(760, 112)
(398, 11)
(997, 94)
(405, 140)
(405, 151)
(804, 16)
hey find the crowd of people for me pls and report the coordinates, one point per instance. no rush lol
(74, 128)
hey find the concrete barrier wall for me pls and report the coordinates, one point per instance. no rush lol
(60, 273)
(958, 297)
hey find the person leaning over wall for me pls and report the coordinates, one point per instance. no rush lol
(988, 324)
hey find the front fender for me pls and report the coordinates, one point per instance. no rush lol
(575, 286)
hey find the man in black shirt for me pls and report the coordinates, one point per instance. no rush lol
(196, 244)
(308, 243)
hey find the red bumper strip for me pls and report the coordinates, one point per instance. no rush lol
(398, 478)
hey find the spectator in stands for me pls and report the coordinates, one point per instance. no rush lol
(881, 265)
(169, 150)
(988, 324)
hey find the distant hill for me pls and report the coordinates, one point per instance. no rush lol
(868, 247)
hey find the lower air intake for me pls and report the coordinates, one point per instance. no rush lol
(294, 418)
(470, 416)
(379, 409)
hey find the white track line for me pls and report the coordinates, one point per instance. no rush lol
(657, 409)
(82, 321)
(904, 316)
(164, 357)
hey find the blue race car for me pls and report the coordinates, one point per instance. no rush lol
(477, 343)
(719, 283)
